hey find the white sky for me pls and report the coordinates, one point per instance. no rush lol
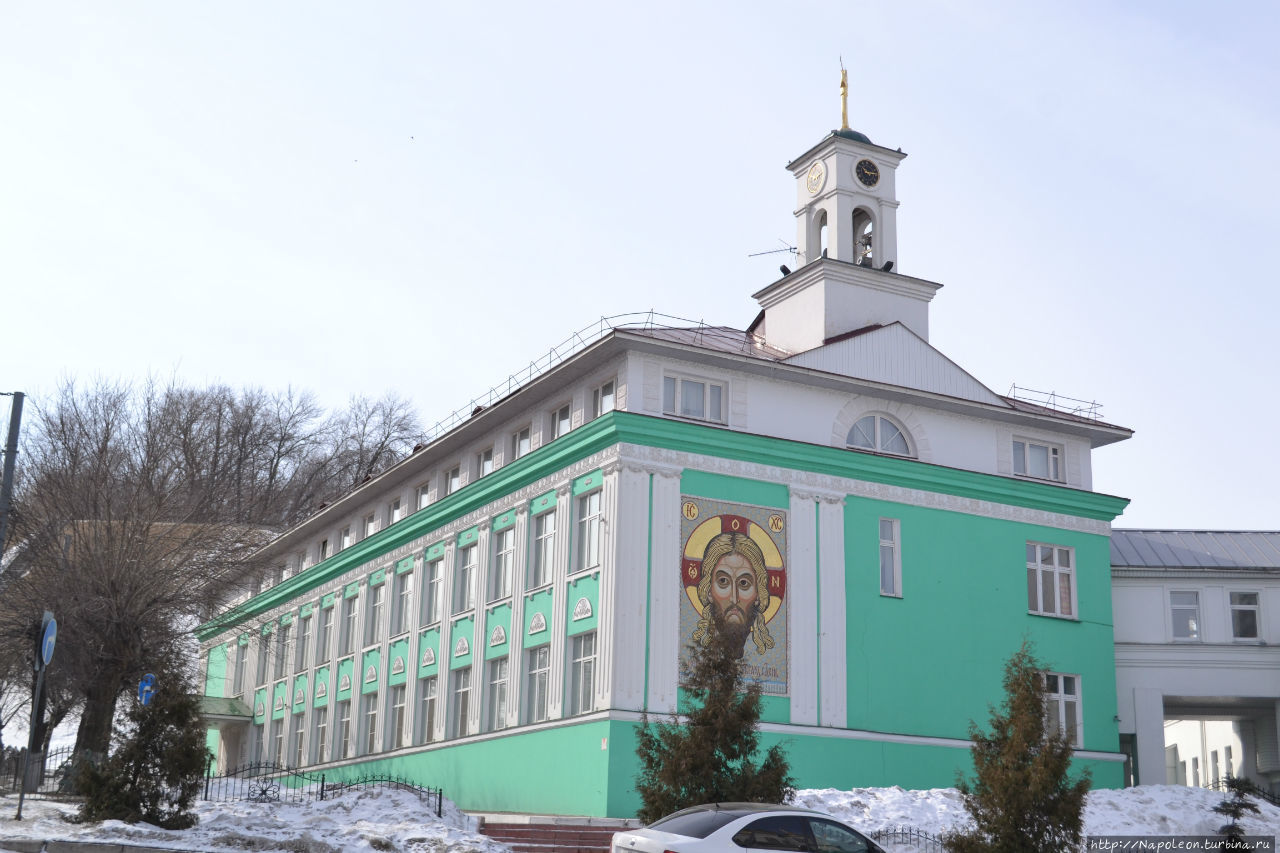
(422, 197)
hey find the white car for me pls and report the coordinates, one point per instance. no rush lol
(732, 827)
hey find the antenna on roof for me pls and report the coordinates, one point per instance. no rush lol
(786, 247)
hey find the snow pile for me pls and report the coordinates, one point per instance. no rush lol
(388, 820)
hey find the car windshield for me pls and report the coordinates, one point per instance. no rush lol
(694, 824)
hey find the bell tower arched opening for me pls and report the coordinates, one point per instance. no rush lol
(863, 232)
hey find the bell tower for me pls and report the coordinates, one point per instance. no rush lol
(847, 207)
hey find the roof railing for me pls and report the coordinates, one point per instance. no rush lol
(1091, 409)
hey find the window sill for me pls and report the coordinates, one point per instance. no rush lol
(896, 595)
(536, 590)
(1034, 479)
(1058, 616)
(695, 420)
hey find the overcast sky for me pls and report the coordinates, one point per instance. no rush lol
(423, 197)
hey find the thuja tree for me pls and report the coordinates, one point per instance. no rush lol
(1021, 797)
(156, 771)
(1235, 806)
(714, 755)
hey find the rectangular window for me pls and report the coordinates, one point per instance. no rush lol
(560, 421)
(397, 717)
(370, 524)
(277, 742)
(369, 723)
(1184, 607)
(296, 741)
(261, 669)
(282, 648)
(426, 721)
(602, 399)
(484, 462)
(1051, 580)
(890, 558)
(544, 543)
(1226, 757)
(277, 575)
(237, 682)
(343, 741)
(1062, 704)
(452, 480)
(582, 673)
(424, 496)
(259, 733)
(373, 614)
(504, 553)
(461, 702)
(347, 632)
(536, 682)
(394, 511)
(1244, 615)
(323, 633)
(464, 580)
(1042, 461)
(520, 443)
(431, 592)
(401, 602)
(324, 549)
(304, 643)
(344, 538)
(319, 735)
(588, 531)
(496, 700)
(692, 398)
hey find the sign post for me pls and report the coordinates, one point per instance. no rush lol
(45, 641)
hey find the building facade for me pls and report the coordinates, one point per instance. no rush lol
(881, 528)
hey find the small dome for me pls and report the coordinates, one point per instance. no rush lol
(853, 135)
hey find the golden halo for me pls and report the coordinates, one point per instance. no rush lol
(696, 545)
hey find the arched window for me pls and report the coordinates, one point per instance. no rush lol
(878, 433)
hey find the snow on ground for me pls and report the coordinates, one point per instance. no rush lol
(399, 821)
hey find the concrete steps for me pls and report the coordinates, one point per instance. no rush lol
(552, 834)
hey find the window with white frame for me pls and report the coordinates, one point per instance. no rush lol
(401, 602)
(347, 631)
(373, 613)
(879, 434)
(603, 399)
(277, 741)
(496, 696)
(461, 704)
(484, 462)
(397, 717)
(296, 740)
(237, 681)
(693, 398)
(324, 632)
(560, 421)
(890, 558)
(324, 549)
(582, 673)
(537, 678)
(344, 538)
(520, 443)
(1038, 460)
(282, 648)
(423, 494)
(504, 555)
(343, 741)
(1244, 615)
(370, 524)
(588, 544)
(464, 579)
(452, 480)
(544, 543)
(426, 719)
(369, 723)
(395, 511)
(1051, 588)
(1184, 610)
(431, 592)
(319, 735)
(259, 735)
(263, 646)
(1062, 704)
(303, 644)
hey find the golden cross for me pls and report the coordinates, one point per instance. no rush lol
(844, 96)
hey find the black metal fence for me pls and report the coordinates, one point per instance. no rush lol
(49, 773)
(1221, 785)
(909, 835)
(267, 782)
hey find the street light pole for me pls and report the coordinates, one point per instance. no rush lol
(10, 457)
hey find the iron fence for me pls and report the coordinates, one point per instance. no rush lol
(49, 773)
(268, 782)
(1255, 791)
(910, 836)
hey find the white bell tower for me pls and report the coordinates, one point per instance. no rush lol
(847, 245)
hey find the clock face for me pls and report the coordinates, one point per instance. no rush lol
(867, 172)
(816, 178)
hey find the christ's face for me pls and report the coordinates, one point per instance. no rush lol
(733, 590)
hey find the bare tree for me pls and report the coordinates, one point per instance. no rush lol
(142, 510)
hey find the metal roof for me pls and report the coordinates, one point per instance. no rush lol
(1195, 549)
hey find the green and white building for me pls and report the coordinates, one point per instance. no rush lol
(496, 613)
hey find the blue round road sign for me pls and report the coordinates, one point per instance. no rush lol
(48, 640)
(146, 688)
